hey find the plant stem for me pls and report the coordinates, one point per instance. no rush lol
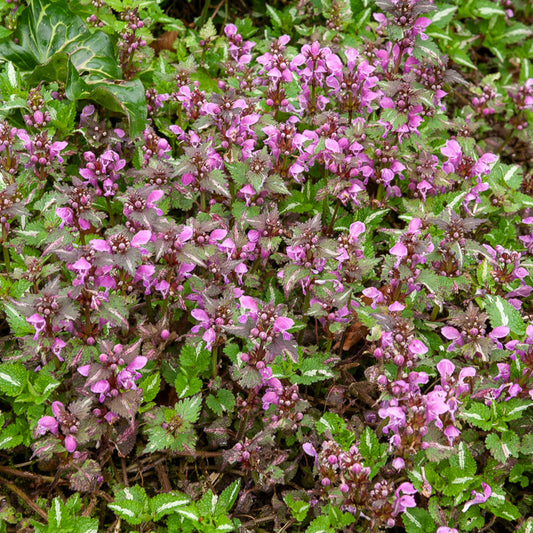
(110, 211)
(203, 15)
(334, 217)
(304, 310)
(6, 251)
(149, 310)
(214, 360)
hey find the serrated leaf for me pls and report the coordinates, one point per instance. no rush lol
(189, 408)
(130, 511)
(320, 524)
(335, 425)
(503, 447)
(312, 370)
(486, 9)
(502, 313)
(150, 386)
(418, 520)
(12, 378)
(10, 437)
(163, 504)
(443, 15)
(227, 498)
(478, 415)
(369, 444)
(189, 512)
(115, 311)
(18, 324)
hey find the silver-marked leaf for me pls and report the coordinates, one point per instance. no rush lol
(164, 504)
(502, 313)
(12, 378)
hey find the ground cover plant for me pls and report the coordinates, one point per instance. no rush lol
(268, 268)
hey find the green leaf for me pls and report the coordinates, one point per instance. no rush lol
(526, 527)
(502, 313)
(336, 426)
(186, 385)
(443, 15)
(189, 408)
(12, 378)
(18, 324)
(150, 386)
(227, 498)
(49, 34)
(190, 512)
(486, 9)
(478, 414)
(463, 460)
(196, 357)
(131, 504)
(369, 445)
(298, 508)
(462, 58)
(320, 524)
(418, 520)
(10, 437)
(127, 98)
(312, 370)
(503, 447)
(163, 504)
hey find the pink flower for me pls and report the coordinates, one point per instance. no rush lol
(478, 497)
(47, 423)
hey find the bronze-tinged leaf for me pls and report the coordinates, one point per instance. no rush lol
(125, 404)
(87, 478)
(127, 436)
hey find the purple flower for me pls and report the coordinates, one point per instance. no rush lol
(478, 497)
(38, 322)
(404, 498)
(47, 423)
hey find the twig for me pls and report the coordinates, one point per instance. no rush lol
(256, 521)
(21, 473)
(23, 496)
(286, 526)
(124, 472)
(216, 10)
(163, 477)
(92, 504)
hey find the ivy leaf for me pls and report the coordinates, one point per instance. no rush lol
(127, 98)
(49, 34)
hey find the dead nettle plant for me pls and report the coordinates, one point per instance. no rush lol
(288, 258)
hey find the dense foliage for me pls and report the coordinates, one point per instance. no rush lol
(266, 277)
